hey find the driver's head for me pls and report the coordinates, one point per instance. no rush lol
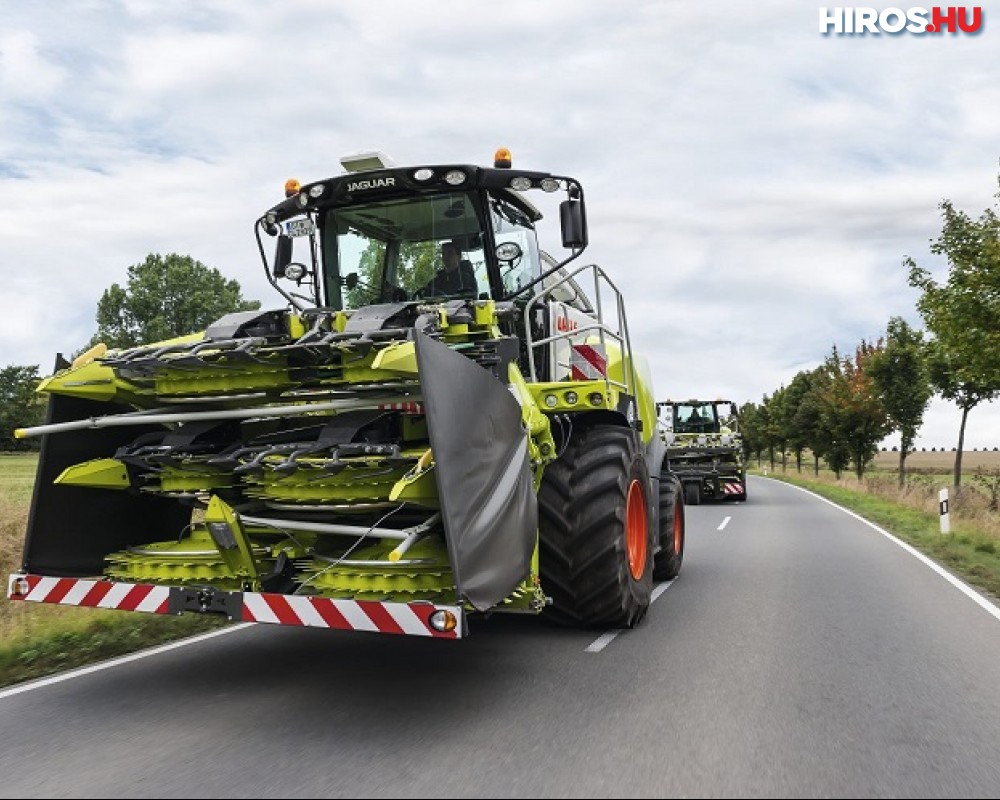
(450, 254)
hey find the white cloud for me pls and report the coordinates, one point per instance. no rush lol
(752, 186)
(24, 71)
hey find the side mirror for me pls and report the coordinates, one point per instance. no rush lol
(282, 255)
(351, 280)
(573, 221)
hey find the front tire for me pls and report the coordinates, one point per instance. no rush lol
(595, 530)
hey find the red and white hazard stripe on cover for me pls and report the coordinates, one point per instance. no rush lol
(350, 615)
(94, 594)
(406, 408)
(732, 488)
(319, 612)
(587, 362)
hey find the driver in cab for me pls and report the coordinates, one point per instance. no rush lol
(456, 275)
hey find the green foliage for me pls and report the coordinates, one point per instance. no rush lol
(902, 379)
(989, 480)
(963, 313)
(20, 407)
(807, 422)
(750, 429)
(104, 634)
(799, 426)
(416, 266)
(852, 418)
(165, 296)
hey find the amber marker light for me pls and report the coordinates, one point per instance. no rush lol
(502, 159)
(292, 186)
(443, 620)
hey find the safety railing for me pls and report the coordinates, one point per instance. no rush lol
(617, 333)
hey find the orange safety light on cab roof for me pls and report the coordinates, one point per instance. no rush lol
(502, 158)
(292, 186)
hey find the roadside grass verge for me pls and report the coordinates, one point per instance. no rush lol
(38, 639)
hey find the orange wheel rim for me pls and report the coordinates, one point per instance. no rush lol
(636, 531)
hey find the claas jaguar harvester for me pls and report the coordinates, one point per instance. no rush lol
(377, 454)
(704, 448)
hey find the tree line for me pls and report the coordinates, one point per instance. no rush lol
(840, 410)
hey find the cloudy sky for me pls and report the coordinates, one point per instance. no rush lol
(753, 186)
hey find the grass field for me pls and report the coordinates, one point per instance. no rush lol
(939, 461)
(17, 476)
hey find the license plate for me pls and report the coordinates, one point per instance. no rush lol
(300, 227)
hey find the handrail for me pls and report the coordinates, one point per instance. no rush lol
(618, 334)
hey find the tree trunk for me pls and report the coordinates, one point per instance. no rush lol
(815, 464)
(902, 466)
(961, 444)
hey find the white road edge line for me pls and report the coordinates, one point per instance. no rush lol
(605, 639)
(76, 673)
(723, 524)
(963, 587)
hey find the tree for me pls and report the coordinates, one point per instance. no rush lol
(765, 427)
(808, 420)
(798, 423)
(750, 431)
(165, 297)
(963, 314)
(20, 407)
(852, 414)
(416, 266)
(781, 422)
(829, 439)
(902, 380)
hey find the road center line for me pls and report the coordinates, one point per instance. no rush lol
(724, 523)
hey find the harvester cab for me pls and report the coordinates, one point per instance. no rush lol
(417, 437)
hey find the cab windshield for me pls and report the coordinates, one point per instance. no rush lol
(403, 249)
(695, 418)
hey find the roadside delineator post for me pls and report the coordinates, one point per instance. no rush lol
(943, 508)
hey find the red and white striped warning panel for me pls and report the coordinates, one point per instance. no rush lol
(406, 408)
(732, 488)
(95, 594)
(414, 619)
(352, 615)
(587, 362)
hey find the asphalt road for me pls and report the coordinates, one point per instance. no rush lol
(801, 653)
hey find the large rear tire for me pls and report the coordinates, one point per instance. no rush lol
(595, 530)
(667, 563)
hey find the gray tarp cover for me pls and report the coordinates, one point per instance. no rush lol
(483, 475)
